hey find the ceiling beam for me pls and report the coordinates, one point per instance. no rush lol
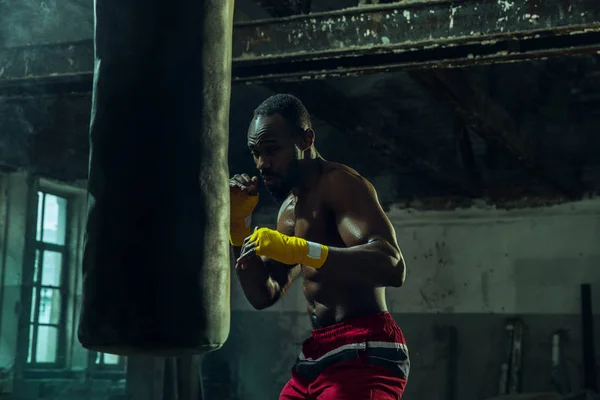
(493, 123)
(412, 34)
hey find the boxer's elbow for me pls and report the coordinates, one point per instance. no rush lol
(260, 302)
(265, 297)
(261, 305)
(395, 265)
(398, 272)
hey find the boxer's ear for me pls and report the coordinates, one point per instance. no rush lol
(307, 140)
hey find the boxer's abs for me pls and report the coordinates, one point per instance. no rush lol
(331, 304)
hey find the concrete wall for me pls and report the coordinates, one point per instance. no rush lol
(469, 271)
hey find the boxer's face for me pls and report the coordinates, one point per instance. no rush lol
(271, 140)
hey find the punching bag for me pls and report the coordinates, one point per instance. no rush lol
(156, 249)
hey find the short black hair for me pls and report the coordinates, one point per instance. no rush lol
(289, 107)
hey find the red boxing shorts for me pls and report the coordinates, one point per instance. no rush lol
(363, 358)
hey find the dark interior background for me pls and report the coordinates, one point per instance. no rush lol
(489, 174)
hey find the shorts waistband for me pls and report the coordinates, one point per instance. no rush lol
(367, 322)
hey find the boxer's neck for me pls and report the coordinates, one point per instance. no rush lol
(310, 172)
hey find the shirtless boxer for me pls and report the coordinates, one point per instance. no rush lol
(331, 230)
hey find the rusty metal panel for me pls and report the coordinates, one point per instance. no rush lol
(410, 25)
(413, 34)
(47, 69)
(47, 60)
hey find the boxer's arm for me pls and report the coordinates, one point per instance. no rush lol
(372, 253)
(265, 281)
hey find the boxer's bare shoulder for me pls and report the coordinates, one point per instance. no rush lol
(341, 192)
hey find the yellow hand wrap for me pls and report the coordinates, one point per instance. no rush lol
(289, 249)
(241, 207)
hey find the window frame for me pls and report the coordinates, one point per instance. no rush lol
(73, 363)
(63, 289)
(102, 368)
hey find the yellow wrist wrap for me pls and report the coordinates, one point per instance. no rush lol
(238, 231)
(289, 249)
(241, 207)
(315, 255)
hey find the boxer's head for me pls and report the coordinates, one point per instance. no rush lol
(279, 136)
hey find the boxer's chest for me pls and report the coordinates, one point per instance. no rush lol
(306, 217)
